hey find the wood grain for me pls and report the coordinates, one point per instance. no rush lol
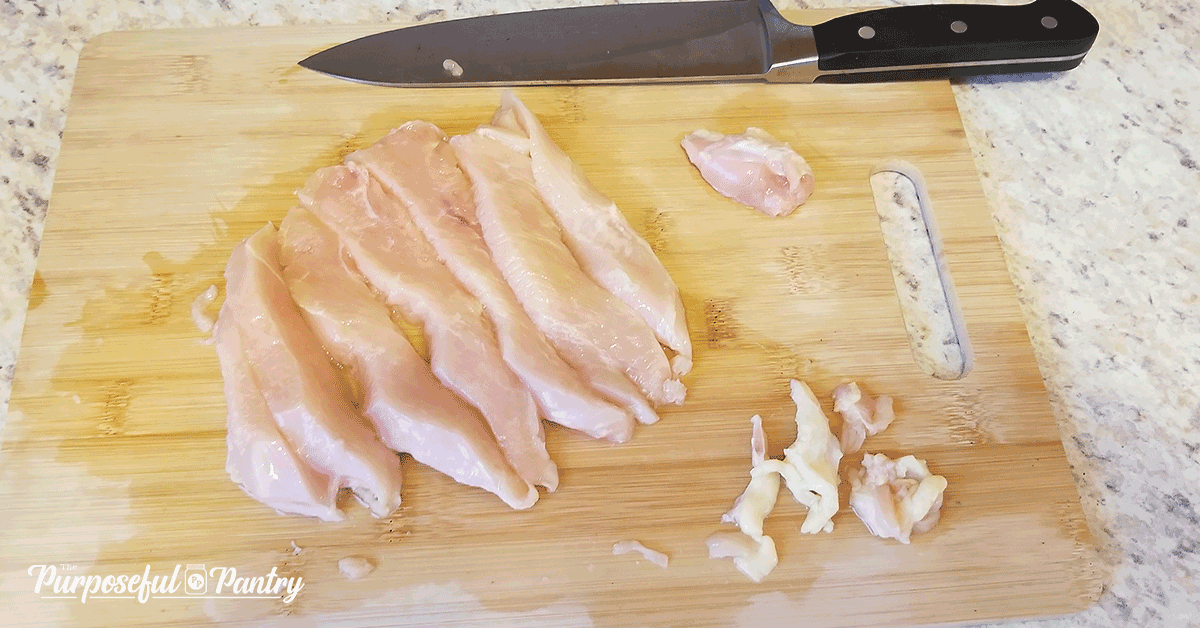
(181, 143)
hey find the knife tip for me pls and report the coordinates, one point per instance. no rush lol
(321, 64)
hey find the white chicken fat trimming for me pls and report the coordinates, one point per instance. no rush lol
(809, 467)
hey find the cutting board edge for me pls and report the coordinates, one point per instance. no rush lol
(120, 35)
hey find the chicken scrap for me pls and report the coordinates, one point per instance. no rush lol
(861, 415)
(752, 551)
(752, 168)
(896, 499)
(810, 465)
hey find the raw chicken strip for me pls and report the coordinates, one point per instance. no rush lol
(601, 238)
(753, 552)
(810, 464)
(753, 169)
(259, 459)
(397, 261)
(415, 164)
(299, 384)
(614, 386)
(586, 323)
(411, 410)
(896, 499)
(861, 415)
(654, 556)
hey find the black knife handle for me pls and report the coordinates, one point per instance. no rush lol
(956, 39)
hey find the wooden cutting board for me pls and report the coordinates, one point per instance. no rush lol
(181, 143)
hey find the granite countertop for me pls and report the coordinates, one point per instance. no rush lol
(1091, 177)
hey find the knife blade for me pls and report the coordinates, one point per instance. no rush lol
(727, 40)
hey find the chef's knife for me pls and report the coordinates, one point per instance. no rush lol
(730, 40)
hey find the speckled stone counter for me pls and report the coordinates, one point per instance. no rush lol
(1092, 176)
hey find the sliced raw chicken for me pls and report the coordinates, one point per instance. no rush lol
(410, 409)
(301, 387)
(589, 326)
(809, 465)
(614, 386)
(601, 238)
(896, 499)
(862, 416)
(415, 164)
(259, 459)
(396, 260)
(752, 168)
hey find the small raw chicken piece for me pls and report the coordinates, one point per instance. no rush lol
(754, 557)
(259, 459)
(654, 556)
(861, 415)
(896, 499)
(598, 234)
(203, 321)
(389, 250)
(809, 465)
(415, 164)
(355, 567)
(301, 387)
(753, 169)
(592, 329)
(753, 552)
(411, 410)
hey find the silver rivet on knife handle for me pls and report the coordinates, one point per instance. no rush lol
(452, 68)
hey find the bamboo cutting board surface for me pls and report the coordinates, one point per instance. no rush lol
(182, 143)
